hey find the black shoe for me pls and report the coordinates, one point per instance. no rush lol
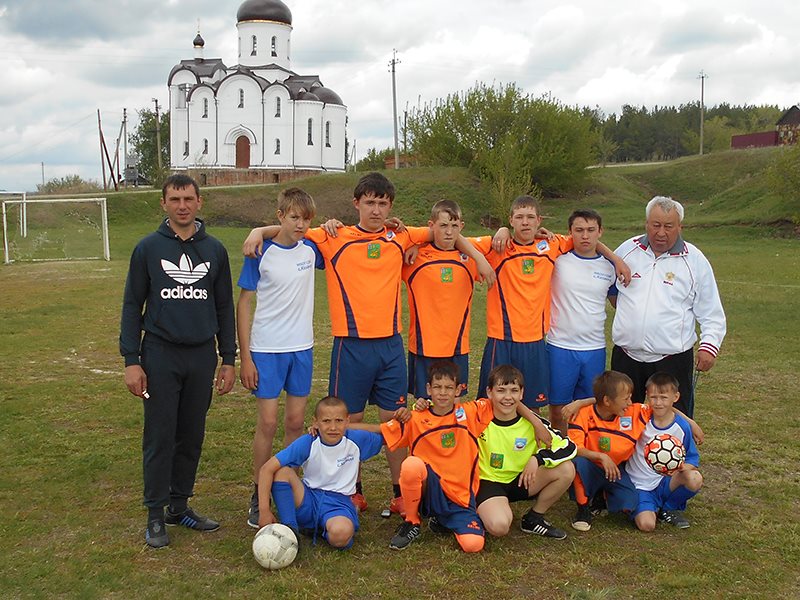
(405, 534)
(536, 523)
(674, 518)
(156, 534)
(436, 527)
(252, 513)
(583, 518)
(192, 520)
(599, 508)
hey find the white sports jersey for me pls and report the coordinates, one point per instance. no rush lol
(656, 313)
(331, 468)
(642, 476)
(283, 279)
(578, 302)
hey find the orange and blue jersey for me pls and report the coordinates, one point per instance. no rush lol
(518, 305)
(447, 443)
(615, 437)
(363, 276)
(440, 286)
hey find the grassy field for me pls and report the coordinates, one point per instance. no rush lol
(70, 469)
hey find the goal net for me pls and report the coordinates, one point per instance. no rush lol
(57, 229)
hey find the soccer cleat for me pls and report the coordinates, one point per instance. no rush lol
(436, 527)
(405, 534)
(397, 506)
(359, 501)
(535, 523)
(252, 513)
(192, 520)
(583, 518)
(156, 534)
(674, 518)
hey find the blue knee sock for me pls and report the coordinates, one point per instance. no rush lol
(283, 497)
(678, 498)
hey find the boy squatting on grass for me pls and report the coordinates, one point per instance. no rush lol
(664, 497)
(363, 266)
(330, 461)
(440, 477)
(515, 467)
(606, 434)
(277, 350)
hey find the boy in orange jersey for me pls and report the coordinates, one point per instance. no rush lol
(518, 307)
(606, 434)
(440, 477)
(440, 285)
(363, 266)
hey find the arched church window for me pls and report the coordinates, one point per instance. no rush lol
(277, 146)
(327, 134)
(205, 146)
(311, 132)
(274, 46)
(205, 108)
(241, 98)
(254, 51)
(278, 106)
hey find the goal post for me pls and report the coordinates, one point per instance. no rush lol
(55, 229)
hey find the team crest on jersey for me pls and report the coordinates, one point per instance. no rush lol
(449, 439)
(373, 250)
(447, 274)
(626, 423)
(520, 443)
(460, 414)
(463, 257)
(669, 278)
(542, 246)
(496, 460)
(527, 266)
(390, 235)
(605, 444)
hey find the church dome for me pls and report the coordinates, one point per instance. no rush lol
(264, 10)
(308, 96)
(198, 42)
(327, 95)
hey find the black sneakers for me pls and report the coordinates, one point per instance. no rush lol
(192, 520)
(535, 523)
(436, 527)
(156, 534)
(583, 518)
(405, 534)
(252, 513)
(674, 518)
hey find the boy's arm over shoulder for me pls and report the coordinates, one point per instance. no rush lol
(369, 442)
(561, 449)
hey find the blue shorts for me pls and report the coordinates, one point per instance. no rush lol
(572, 373)
(369, 371)
(661, 498)
(278, 371)
(528, 357)
(458, 519)
(621, 496)
(318, 506)
(418, 373)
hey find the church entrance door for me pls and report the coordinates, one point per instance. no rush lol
(242, 152)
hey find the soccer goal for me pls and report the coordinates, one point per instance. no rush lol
(56, 229)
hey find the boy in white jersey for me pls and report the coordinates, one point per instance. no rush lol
(276, 352)
(664, 497)
(320, 502)
(576, 343)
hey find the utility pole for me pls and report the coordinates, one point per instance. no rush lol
(42, 173)
(392, 64)
(125, 143)
(702, 77)
(158, 134)
(102, 147)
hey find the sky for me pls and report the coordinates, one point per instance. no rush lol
(62, 60)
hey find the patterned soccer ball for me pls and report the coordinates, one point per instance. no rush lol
(275, 546)
(664, 453)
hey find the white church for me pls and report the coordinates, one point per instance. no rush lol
(257, 121)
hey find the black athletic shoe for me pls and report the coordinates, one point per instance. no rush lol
(192, 520)
(252, 513)
(156, 534)
(583, 518)
(535, 523)
(674, 518)
(436, 527)
(405, 534)
(599, 508)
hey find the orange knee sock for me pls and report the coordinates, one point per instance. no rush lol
(470, 542)
(580, 491)
(413, 475)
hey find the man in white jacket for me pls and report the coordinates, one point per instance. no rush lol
(672, 287)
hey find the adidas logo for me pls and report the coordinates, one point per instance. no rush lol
(186, 273)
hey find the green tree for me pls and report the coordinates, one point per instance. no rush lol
(144, 144)
(69, 184)
(374, 159)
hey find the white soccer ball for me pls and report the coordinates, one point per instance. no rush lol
(275, 546)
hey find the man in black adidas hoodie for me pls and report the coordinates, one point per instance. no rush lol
(179, 293)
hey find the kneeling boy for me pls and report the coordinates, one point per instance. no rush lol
(664, 497)
(330, 461)
(514, 467)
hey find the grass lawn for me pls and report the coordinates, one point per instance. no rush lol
(70, 468)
